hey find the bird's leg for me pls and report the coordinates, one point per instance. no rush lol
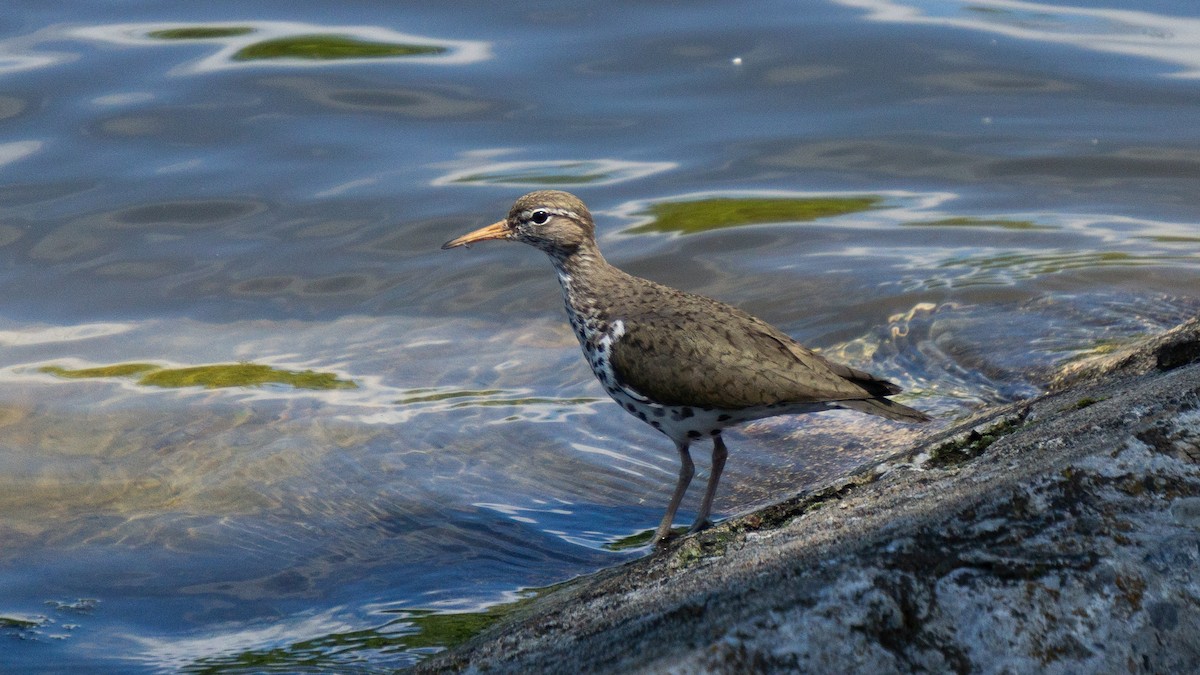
(718, 465)
(686, 470)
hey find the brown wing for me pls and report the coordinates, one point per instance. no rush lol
(695, 351)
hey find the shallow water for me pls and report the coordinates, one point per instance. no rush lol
(194, 186)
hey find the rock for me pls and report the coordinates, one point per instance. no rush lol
(1056, 535)
(1177, 347)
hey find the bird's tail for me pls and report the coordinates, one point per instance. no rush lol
(885, 408)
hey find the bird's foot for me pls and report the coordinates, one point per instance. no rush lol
(662, 538)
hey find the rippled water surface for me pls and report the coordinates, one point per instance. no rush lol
(252, 418)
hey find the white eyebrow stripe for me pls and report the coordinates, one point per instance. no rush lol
(528, 213)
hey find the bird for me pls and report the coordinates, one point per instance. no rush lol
(685, 364)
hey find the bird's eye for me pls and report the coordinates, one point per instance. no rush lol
(539, 217)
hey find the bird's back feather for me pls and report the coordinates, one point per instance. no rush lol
(685, 349)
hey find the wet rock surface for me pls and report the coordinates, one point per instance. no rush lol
(1059, 534)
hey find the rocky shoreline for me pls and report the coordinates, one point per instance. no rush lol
(1057, 534)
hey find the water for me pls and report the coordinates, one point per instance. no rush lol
(169, 199)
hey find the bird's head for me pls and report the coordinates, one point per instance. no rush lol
(553, 221)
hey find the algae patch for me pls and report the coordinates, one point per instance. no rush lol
(1086, 402)
(242, 375)
(330, 47)
(118, 370)
(200, 32)
(216, 376)
(417, 631)
(435, 395)
(639, 539)
(975, 442)
(691, 217)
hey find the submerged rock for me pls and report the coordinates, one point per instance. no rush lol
(1060, 534)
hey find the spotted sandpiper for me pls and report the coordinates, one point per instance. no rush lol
(685, 364)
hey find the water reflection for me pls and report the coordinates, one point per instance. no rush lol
(183, 214)
(38, 335)
(11, 106)
(17, 150)
(994, 82)
(12, 63)
(242, 505)
(1170, 39)
(170, 201)
(18, 194)
(480, 170)
(1099, 169)
(405, 101)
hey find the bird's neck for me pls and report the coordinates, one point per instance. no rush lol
(583, 274)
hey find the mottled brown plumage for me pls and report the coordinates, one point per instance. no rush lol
(719, 356)
(685, 364)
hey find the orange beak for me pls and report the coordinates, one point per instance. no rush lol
(498, 230)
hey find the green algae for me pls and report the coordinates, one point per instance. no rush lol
(242, 375)
(446, 630)
(1102, 346)
(118, 370)
(967, 221)
(200, 32)
(326, 653)
(433, 395)
(414, 629)
(638, 539)
(330, 47)
(974, 443)
(215, 376)
(691, 217)
(1087, 401)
